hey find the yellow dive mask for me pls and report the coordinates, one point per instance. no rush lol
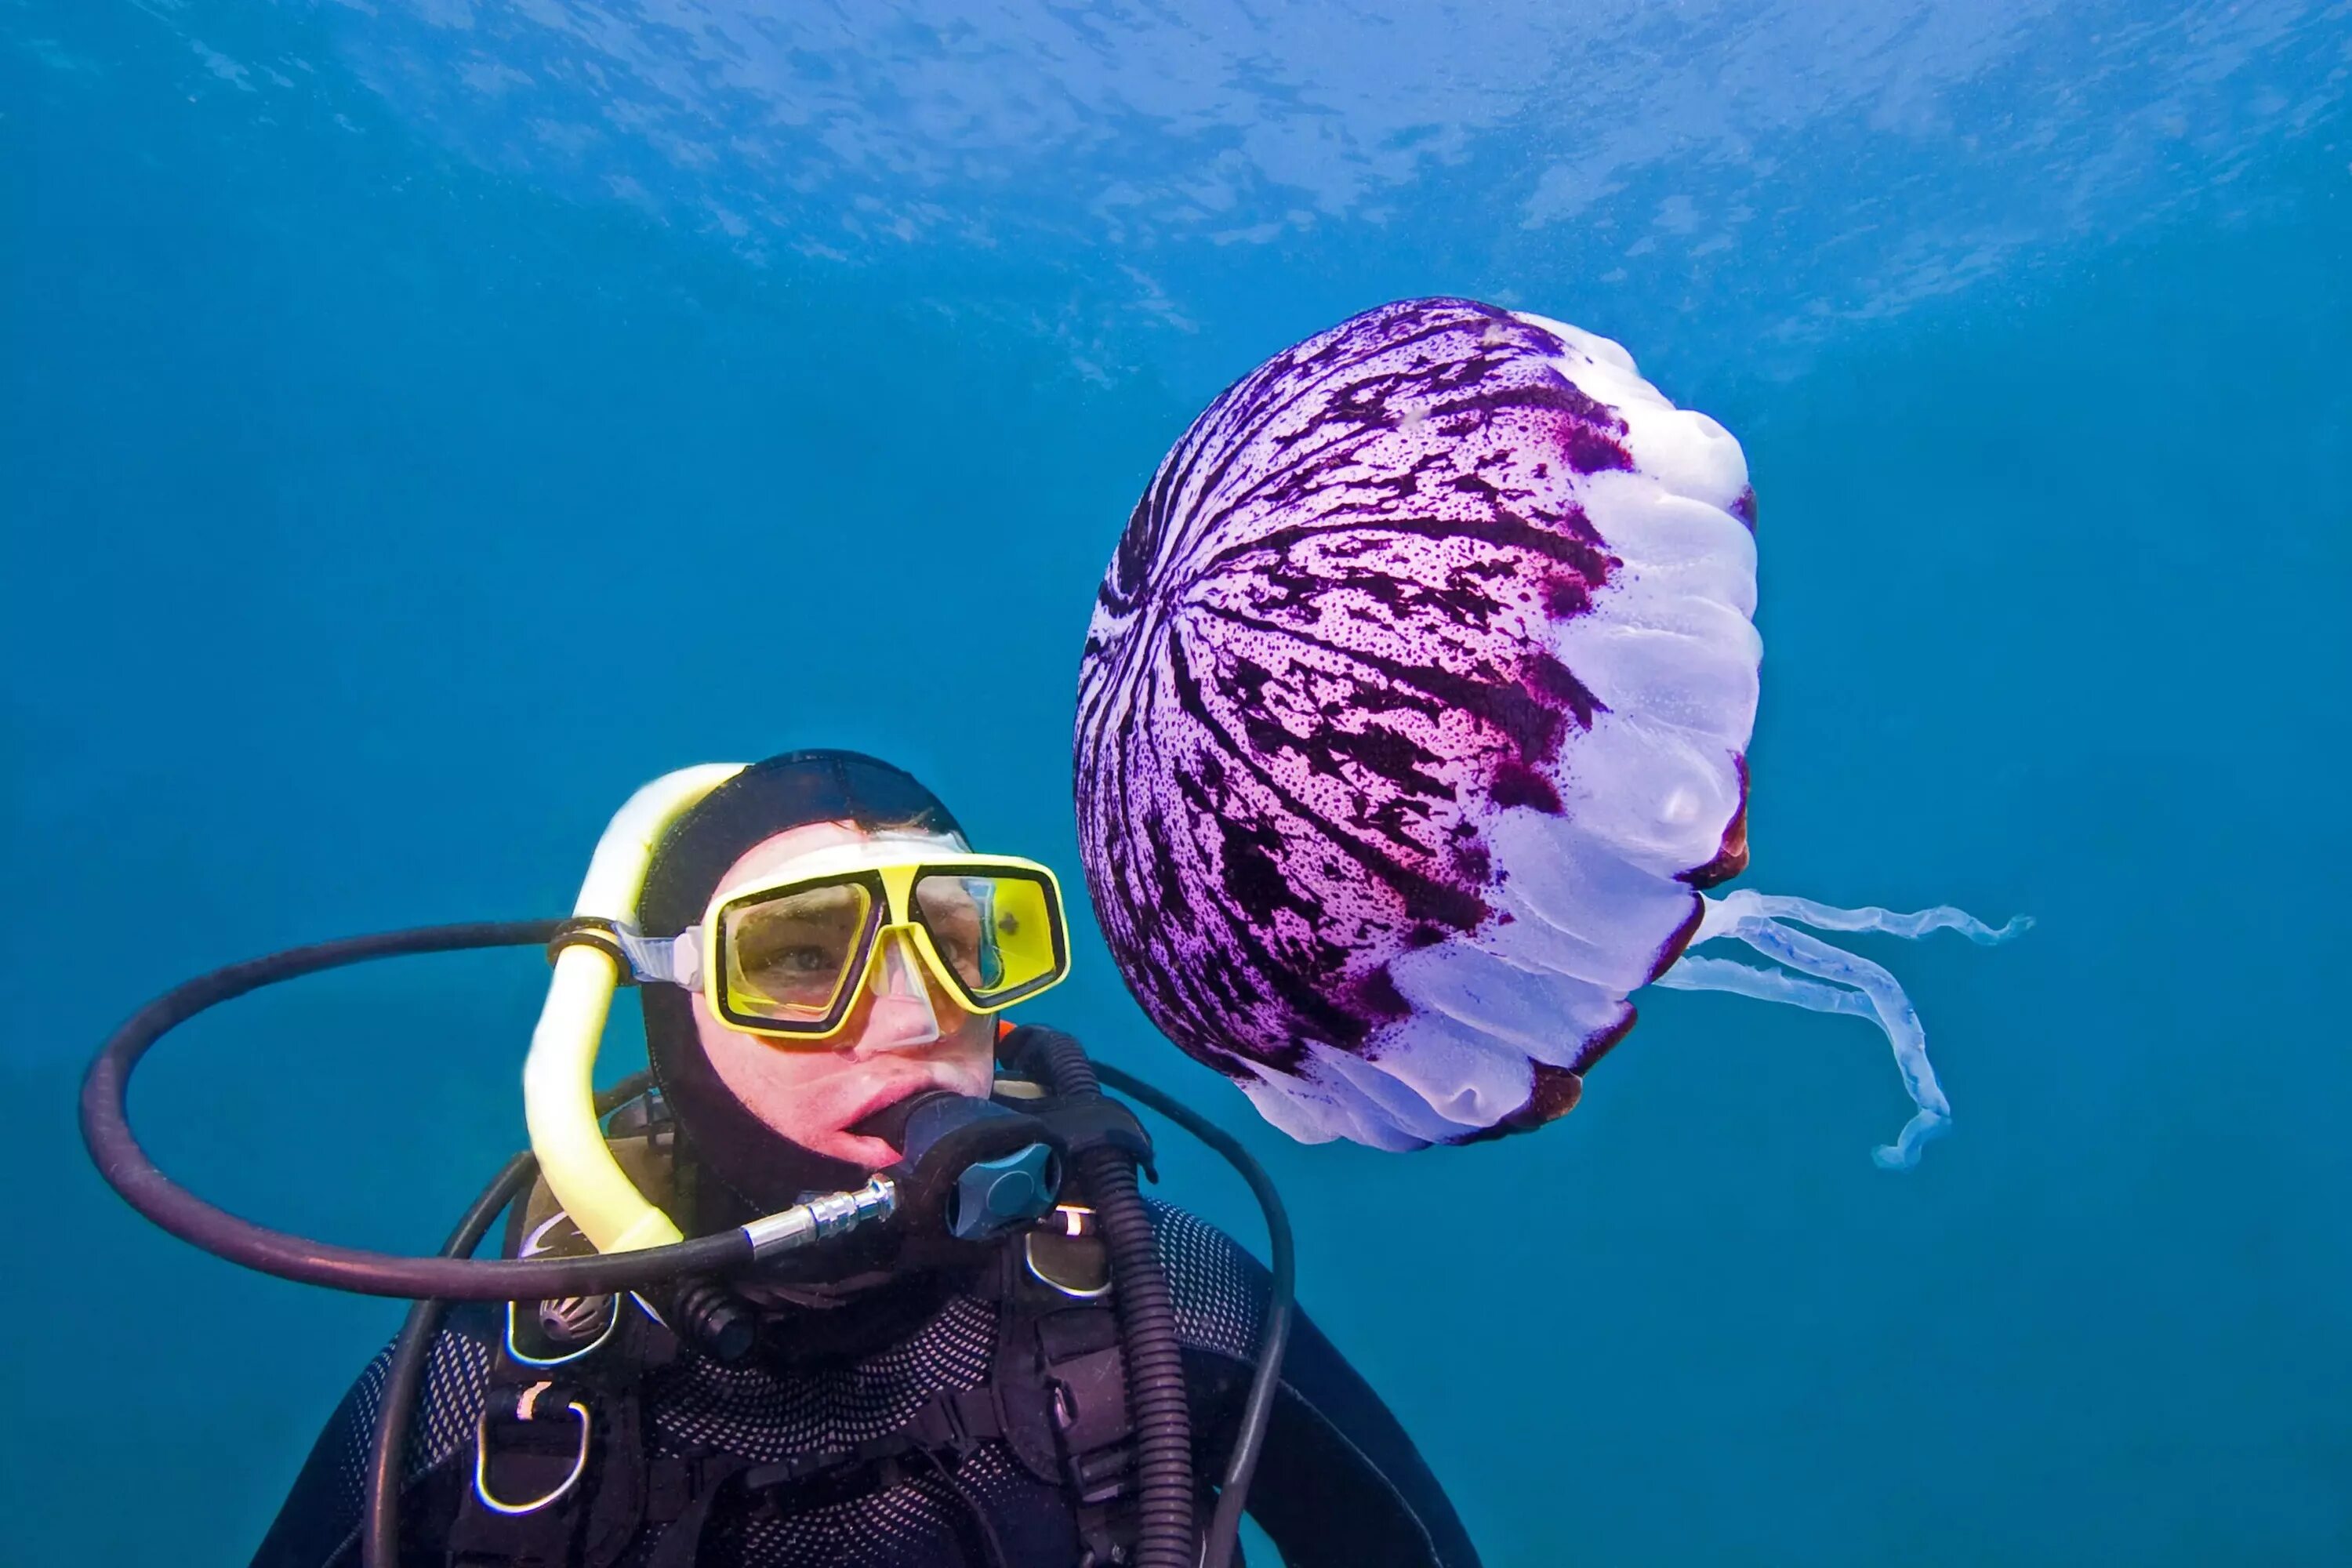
(785, 955)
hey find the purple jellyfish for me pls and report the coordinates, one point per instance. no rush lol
(1412, 719)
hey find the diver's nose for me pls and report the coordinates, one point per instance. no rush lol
(901, 1017)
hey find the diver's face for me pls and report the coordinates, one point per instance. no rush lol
(814, 1093)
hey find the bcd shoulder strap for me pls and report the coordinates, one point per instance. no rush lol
(554, 1476)
(558, 1471)
(1060, 1376)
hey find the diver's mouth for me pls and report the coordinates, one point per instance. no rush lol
(884, 1115)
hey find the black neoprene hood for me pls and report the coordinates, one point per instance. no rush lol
(767, 798)
(763, 1169)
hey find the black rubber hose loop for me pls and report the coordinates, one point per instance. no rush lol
(106, 1129)
(1158, 1401)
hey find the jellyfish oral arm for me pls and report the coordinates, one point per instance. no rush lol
(1830, 980)
(1744, 903)
(1693, 972)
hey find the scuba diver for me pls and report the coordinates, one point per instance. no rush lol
(925, 1318)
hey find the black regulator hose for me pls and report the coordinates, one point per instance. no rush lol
(106, 1129)
(1157, 1399)
(1218, 1548)
(403, 1377)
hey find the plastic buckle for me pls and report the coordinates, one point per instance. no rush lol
(942, 1424)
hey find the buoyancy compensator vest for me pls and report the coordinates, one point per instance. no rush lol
(567, 1466)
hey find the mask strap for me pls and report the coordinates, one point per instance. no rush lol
(663, 960)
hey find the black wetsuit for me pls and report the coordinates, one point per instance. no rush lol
(1339, 1482)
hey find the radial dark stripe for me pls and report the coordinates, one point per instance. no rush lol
(1422, 894)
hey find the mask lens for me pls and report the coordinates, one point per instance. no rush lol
(999, 933)
(789, 958)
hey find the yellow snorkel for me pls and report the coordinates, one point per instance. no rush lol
(559, 1091)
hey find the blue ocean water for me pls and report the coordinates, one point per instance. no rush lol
(420, 423)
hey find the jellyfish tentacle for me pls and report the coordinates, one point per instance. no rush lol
(1745, 901)
(1693, 972)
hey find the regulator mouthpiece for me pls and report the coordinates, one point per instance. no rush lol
(971, 1168)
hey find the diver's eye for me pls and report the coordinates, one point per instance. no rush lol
(796, 969)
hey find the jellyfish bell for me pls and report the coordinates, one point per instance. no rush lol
(1413, 723)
